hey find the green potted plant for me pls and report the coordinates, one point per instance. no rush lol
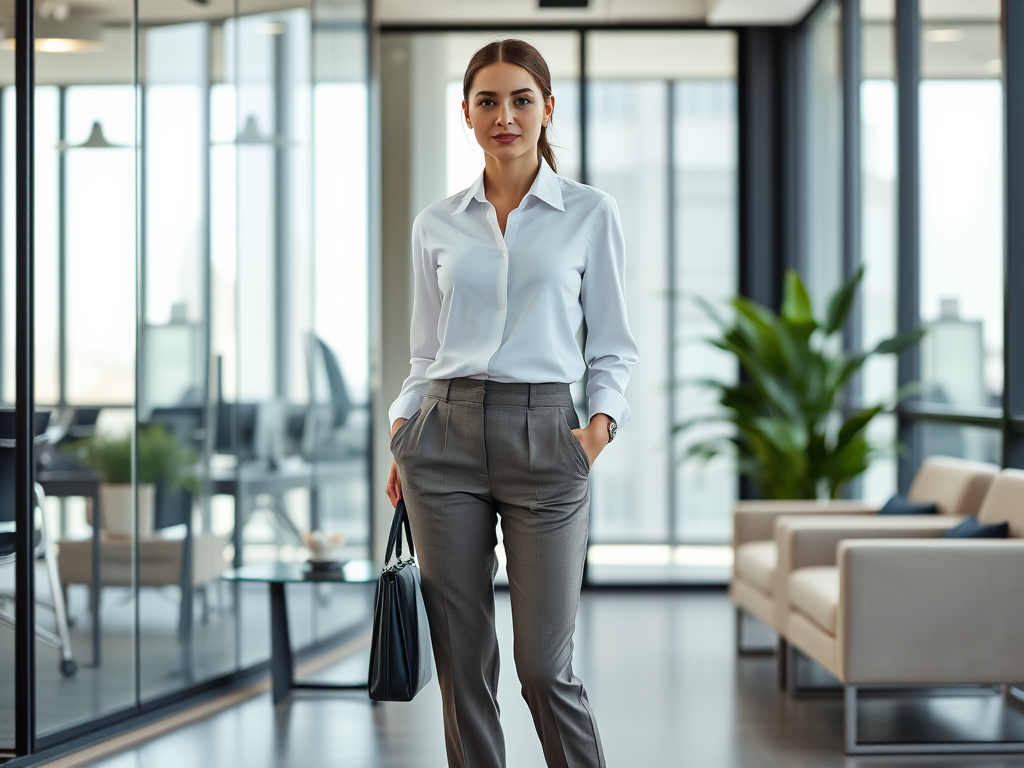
(790, 432)
(163, 460)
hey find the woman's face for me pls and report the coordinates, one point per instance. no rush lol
(506, 110)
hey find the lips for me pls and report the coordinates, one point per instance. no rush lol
(506, 138)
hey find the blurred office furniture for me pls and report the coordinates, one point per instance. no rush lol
(914, 610)
(188, 560)
(277, 576)
(758, 582)
(76, 423)
(44, 546)
(330, 405)
(280, 447)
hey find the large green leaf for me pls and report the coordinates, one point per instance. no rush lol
(855, 425)
(797, 307)
(899, 342)
(846, 464)
(841, 303)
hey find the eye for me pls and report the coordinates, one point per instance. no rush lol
(485, 102)
(524, 101)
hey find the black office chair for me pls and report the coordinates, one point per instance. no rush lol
(324, 417)
(59, 454)
(44, 543)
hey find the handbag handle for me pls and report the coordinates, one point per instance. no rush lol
(395, 537)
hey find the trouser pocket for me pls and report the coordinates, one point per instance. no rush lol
(567, 418)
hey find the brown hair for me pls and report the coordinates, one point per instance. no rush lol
(524, 55)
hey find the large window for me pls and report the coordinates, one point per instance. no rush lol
(878, 234)
(961, 155)
(822, 215)
(662, 139)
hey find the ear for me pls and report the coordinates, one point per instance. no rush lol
(465, 113)
(549, 107)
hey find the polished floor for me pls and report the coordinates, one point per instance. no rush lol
(662, 677)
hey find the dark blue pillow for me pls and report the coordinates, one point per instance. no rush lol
(970, 528)
(901, 505)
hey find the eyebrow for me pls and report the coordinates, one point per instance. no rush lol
(492, 93)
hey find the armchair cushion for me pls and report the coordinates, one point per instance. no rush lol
(901, 505)
(970, 528)
(814, 592)
(756, 561)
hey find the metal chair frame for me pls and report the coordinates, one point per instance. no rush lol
(61, 640)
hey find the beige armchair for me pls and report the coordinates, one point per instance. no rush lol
(956, 485)
(912, 609)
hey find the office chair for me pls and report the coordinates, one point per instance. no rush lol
(44, 543)
(57, 454)
(324, 416)
(341, 403)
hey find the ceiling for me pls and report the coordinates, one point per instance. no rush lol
(712, 12)
(527, 12)
(597, 11)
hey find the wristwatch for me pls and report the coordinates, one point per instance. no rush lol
(613, 428)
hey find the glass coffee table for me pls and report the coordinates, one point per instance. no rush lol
(276, 575)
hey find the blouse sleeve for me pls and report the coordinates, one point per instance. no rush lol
(423, 338)
(610, 350)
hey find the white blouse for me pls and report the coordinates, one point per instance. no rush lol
(508, 308)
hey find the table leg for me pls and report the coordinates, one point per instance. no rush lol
(282, 663)
(95, 588)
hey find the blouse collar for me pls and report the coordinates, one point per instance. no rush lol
(545, 187)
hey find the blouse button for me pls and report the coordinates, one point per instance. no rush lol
(504, 254)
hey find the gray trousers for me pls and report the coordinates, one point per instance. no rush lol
(477, 451)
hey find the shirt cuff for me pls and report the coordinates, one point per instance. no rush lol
(404, 407)
(612, 403)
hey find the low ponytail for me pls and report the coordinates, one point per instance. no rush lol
(524, 55)
(546, 151)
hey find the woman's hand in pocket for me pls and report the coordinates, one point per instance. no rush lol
(394, 486)
(594, 436)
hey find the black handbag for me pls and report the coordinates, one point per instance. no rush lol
(400, 647)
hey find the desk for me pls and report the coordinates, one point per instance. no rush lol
(85, 483)
(250, 479)
(276, 575)
(243, 482)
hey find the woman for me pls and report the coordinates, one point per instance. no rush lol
(484, 427)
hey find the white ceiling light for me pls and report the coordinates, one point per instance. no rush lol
(944, 35)
(60, 36)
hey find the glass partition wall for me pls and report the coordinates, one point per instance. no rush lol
(201, 342)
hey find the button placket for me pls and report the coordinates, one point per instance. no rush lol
(501, 283)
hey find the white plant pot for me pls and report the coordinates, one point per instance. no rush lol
(117, 508)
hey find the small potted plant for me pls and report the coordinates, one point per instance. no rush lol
(163, 461)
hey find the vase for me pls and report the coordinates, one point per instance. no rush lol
(117, 507)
